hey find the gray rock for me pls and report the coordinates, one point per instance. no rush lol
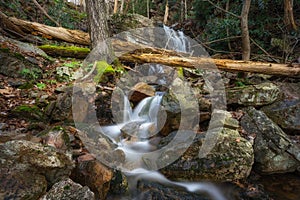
(61, 109)
(229, 158)
(274, 151)
(286, 113)
(68, 190)
(27, 169)
(254, 95)
(13, 63)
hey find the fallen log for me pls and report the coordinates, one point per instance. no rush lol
(49, 32)
(144, 54)
(292, 70)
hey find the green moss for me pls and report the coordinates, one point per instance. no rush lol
(26, 108)
(30, 112)
(65, 51)
(5, 50)
(69, 48)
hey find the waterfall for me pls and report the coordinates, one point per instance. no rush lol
(132, 135)
(176, 41)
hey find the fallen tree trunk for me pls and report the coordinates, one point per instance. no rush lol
(292, 70)
(144, 54)
(49, 32)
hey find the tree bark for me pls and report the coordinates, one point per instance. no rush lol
(209, 64)
(98, 30)
(166, 12)
(60, 33)
(97, 16)
(116, 6)
(246, 49)
(289, 15)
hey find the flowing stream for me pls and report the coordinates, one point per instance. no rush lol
(140, 123)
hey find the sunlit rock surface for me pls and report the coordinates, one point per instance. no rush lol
(274, 151)
(68, 190)
(254, 95)
(140, 91)
(230, 158)
(94, 175)
(27, 169)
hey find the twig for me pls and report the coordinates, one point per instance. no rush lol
(263, 50)
(45, 13)
(218, 7)
(222, 39)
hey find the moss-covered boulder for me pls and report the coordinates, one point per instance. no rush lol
(30, 112)
(28, 168)
(253, 95)
(230, 158)
(274, 151)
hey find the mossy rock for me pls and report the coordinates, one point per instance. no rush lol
(30, 112)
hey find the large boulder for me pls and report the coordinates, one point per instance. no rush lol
(274, 151)
(94, 175)
(19, 59)
(68, 190)
(230, 157)
(28, 168)
(253, 95)
(286, 113)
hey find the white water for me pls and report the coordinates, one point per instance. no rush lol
(176, 40)
(144, 115)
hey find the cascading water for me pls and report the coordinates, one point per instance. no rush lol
(132, 133)
(176, 40)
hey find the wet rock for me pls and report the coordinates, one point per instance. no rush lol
(140, 91)
(68, 190)
(152, 190)
(94, 175)
(27, 169)
(254, 95)
(219, 155)
(274, 151)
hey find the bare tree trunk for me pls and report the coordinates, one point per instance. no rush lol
(116, 6)
(181, 11)
(227, 28)
(148, 9)
(97, 16)
(185, 10)
(166, 13)
(122, 6)
(98, 30)
(133, 7)
(246, 50)
(289, 15)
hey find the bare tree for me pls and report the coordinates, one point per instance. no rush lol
(98, 28)
(246, 49)
(116, 6)
(289, 15)
(166, 12)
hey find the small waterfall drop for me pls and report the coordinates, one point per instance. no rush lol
(176, 40)
(139, 124)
